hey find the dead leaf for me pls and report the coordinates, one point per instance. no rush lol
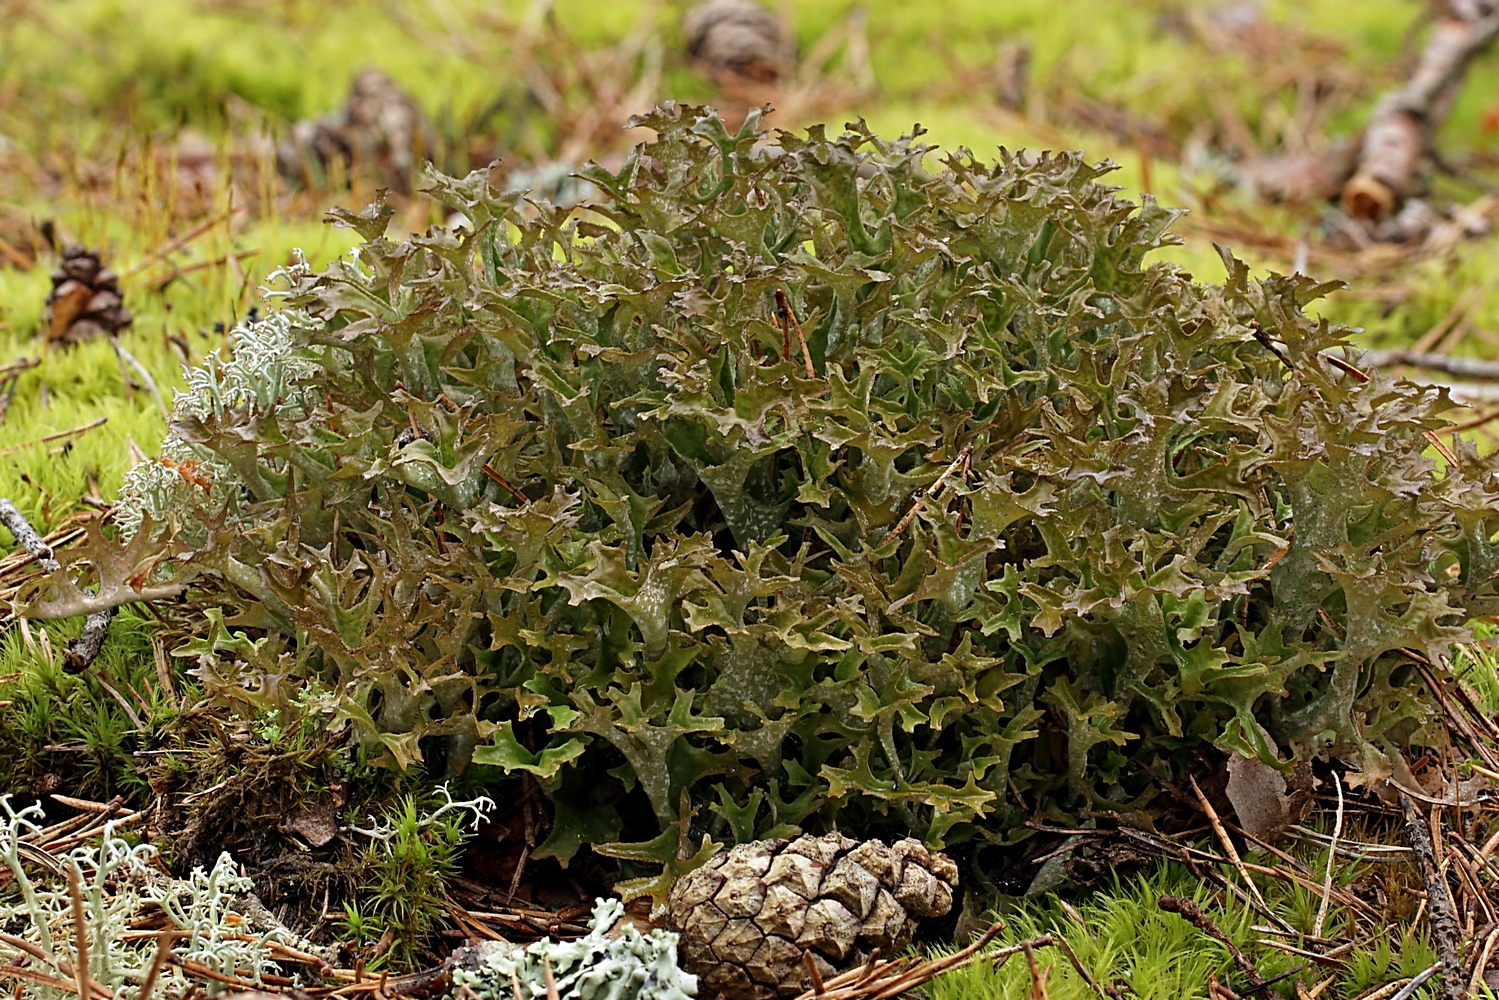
(318, 825)
(1258, 794)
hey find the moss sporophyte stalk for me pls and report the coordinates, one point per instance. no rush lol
(570, 494)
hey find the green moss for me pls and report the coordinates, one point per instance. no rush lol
(63, 732)
(1125, 938)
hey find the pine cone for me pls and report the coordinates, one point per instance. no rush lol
(739, 38)
(747, 916)
(85, 300)
(380, 131)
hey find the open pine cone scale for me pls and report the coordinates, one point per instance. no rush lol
(749, 915)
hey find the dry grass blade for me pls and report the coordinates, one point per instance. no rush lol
(1233, 853)
(1459, 719)
(84, 805)
(158, 962)
(80, 931)
(60, 435)
(39, 978)
(1482, 963)
(35, 951)
(788, 323)
(140, 369)
(878, 980)
(40, 856)
(964, 455)
(1453, 319)
(173, 245)
(1332, 853)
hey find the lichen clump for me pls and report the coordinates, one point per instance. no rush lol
(608, 963)
(796, 484)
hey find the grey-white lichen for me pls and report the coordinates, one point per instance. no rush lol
(266, 373)
(604, 964)
(115, 880)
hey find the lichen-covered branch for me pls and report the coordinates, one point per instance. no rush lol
(26, 536)
(1443, 914)
(82, 650)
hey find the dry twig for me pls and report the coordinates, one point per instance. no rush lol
(1444, 923)
(1191, 912)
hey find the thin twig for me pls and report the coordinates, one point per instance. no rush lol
(788, 323)
(158, 962)
(173, 245)
(1415, 984)
(164, 672)
(1230, 850)
(1482, 964)
(1191, 912)
(109, 689)
(1462, 367)
(1468, 425)
(39, 978)
(140, 370)
(489, 471)
(82, 650)
(80, 932)
(520, 870)
(26, 536)
(1439, 691)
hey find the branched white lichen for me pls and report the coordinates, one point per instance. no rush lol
(622, 965)
(182, 481)
(115, 880)
(264, 373)
(203, 906)
(478, 809)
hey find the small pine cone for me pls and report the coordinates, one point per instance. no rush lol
(379, 132)
(739, 39)
(85, 300)
(748, 915)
